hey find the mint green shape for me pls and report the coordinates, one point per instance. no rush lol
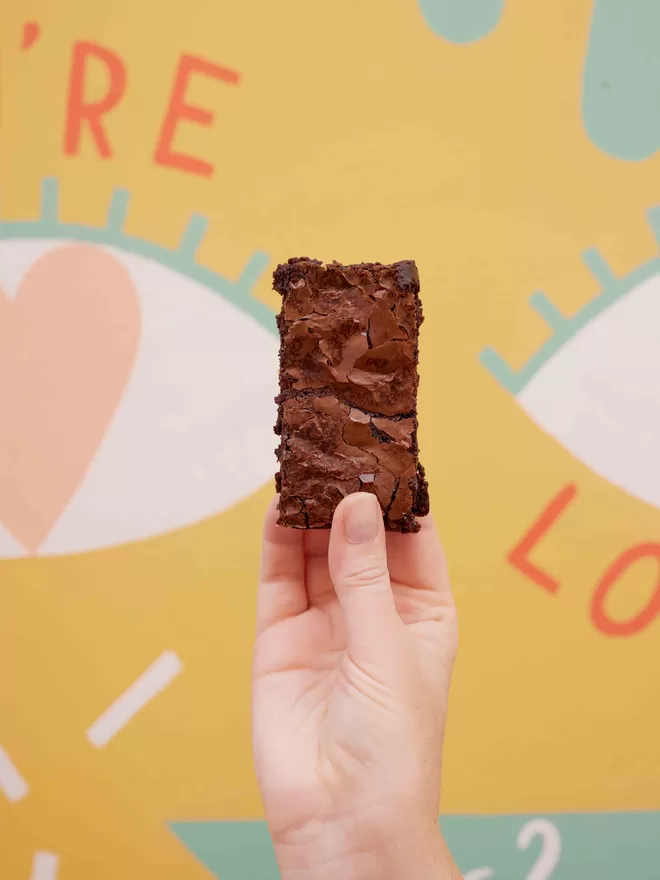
(238, 292)
(462, 21)
(594, 846)
(231, 850)
(621, 98)
(602, 846)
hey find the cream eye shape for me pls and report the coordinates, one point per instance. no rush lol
(136, 386)
(595, 385)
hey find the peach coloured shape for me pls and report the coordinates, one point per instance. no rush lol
(31, 32)
(68, 341)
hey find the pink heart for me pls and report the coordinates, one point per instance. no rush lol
(68, 341)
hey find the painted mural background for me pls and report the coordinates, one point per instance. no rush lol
(156, 161)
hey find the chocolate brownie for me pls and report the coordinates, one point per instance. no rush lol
(348, 391)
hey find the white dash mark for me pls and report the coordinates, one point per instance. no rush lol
(11, 781)
(151, 683)
(44, 866)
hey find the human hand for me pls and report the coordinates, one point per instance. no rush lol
(356, 639)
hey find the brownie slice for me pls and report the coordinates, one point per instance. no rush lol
(348, 391)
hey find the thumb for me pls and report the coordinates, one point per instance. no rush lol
(357, 558)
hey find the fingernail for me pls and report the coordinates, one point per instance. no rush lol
(362, 518)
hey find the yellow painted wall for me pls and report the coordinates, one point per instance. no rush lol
(356, 131)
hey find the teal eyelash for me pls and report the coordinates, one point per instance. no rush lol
(182, 260)
(612, 289)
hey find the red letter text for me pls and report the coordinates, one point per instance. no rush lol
(178, 109)
(79, 110)
(518, 557)
(646, 616)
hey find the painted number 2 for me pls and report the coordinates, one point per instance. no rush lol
(550, 849)
(548, 859)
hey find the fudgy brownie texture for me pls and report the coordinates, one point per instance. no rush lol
(348, 391)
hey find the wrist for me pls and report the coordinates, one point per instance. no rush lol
(361, 849)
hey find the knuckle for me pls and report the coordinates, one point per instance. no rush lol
(366, 573)
(452, 616)
(451, 622)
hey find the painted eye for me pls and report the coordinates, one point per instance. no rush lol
(136, 386)
(595, 385)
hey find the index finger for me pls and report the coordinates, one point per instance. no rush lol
(281, 592)
(418, 560)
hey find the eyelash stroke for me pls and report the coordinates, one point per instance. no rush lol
(564, 329)
(182, 260)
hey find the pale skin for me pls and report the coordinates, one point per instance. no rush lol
(356, 640)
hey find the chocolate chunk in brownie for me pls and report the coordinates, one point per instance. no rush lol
(348, 391)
